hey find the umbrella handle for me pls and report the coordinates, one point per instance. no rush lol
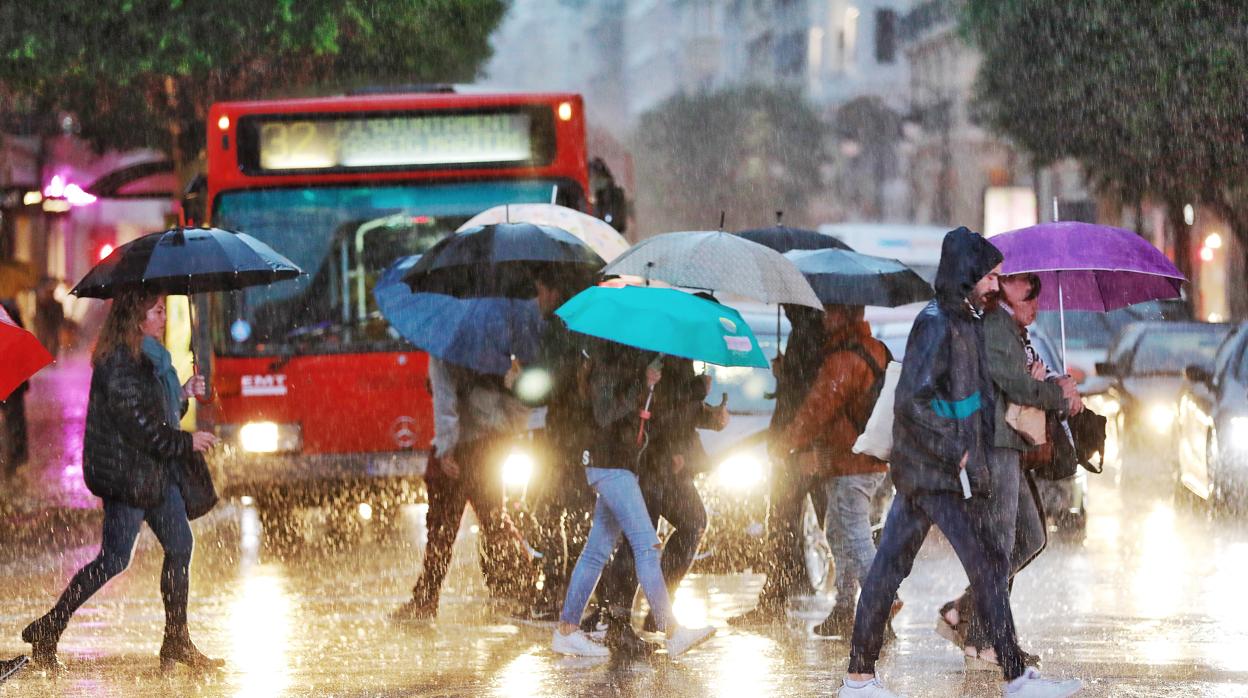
(645, 417)
(207, 396)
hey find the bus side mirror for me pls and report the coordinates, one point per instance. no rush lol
(193, 200)
(611, 205)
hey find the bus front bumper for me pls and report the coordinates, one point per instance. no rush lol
(237, 472)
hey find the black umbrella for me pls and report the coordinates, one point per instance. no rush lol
(782, 238)
(183, 261)
(499, 260)
(848, 278)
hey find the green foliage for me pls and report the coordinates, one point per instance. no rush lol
(144, 72)
(747, 151)
(1149, 96)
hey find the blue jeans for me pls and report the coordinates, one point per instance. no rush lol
(849, 532)
(965, 524)
(121, 529)
(620, 508)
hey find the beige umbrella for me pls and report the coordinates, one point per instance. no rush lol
(595, 232)
(717, 261)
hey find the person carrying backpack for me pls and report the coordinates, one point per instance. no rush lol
(820, 439)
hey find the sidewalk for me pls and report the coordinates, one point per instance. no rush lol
(47, 497)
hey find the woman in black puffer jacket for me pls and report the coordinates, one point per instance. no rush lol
(135, 458)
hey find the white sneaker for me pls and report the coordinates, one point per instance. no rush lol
(1030, 685)
(875, 689)
(577, 644)
(684, 639)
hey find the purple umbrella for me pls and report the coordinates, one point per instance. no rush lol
(1084, 266)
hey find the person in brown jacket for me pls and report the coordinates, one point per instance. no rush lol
(821, 438)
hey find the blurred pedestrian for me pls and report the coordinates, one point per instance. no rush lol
(942, 436)
(49, 316)
(820, 439)
(668, 465)
(475, 419)
(619, 381)
(562, 503)
(795, 372)
(14, 441)
(134, 457)
(1020, 378)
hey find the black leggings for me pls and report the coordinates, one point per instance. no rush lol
(121, 529)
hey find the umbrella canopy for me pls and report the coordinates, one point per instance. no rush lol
(717, 261)
(184, 261)
(664, 320)
(21, 355)
(595, 232)
(498, 260)
(481, 334)
(1096, 267)
(848, 278)
(782, 238)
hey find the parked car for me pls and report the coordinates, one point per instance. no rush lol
(1090, 335)
(1212, 427)
(1145, 374)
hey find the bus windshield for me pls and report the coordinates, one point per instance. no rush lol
(343, 238)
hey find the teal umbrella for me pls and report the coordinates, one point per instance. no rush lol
(666, 321)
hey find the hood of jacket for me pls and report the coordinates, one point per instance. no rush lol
(965, 258)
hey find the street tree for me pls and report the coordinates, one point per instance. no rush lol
(142, 73)
(1147, 96)
(746, 151)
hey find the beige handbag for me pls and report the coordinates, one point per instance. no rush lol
(1028, 421)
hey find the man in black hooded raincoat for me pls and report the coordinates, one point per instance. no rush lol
(942, 430)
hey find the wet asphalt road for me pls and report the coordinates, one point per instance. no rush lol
(1151, 603)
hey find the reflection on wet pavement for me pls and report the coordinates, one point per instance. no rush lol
(1151, 604)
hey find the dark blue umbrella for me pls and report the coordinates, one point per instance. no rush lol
(842, 277)
(481, 334)
(183, 261)
(499, 260)
(782, 238)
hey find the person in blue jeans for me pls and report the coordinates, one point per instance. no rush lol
(619, 381)
(134, 456)
(942, 435)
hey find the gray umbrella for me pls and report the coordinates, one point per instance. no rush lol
(717, 261)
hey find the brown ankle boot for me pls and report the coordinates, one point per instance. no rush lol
(43, 635)
(178, 649)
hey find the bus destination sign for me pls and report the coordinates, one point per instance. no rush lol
(347, 142)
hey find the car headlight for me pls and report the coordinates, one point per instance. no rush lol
(1161, 417)
(517, 469)
(1239, 433)
(264, 437)
(740, 471)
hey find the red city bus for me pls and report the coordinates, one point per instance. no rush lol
(315, 395)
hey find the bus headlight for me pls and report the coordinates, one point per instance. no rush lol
(740, 471)
(1161, 417)
(517, 469)
(268, 437)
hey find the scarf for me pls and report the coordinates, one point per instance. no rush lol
(167, 376)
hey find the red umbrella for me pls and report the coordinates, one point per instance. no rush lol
(21, 355)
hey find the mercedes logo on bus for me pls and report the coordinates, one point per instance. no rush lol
(404, 431)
